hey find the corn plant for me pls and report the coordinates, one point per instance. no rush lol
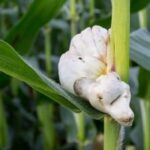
(22, 41)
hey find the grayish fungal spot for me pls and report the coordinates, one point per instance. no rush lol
(80, 58)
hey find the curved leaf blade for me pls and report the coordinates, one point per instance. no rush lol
(23, 34)
(14, 65)
(144, 84)
(140, 48)
(137, 5)
(140, 53)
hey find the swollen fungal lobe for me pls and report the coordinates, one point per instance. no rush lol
(83, 58)
(82, 71)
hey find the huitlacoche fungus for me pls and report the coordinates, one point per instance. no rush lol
(82, 71)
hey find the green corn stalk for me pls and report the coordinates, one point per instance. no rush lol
(47, 50)
(45, 115)
(73, 17)
(145, 110)
(3, 126)
(92, 6)
(145, 100)
(143, 18)
(45, 110)
(119, 41)
(79, 118)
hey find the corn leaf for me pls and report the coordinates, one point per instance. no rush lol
(137, 5)
(144, 84)
(140, 48)
(14, 65)
(23, 34)
(140, 53)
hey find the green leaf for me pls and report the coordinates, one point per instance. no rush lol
(140, 48)
(4, 80)
(14, 65)
(137, 5)
(23, 34)
(140, 53)
(105, 10)
(144, 84)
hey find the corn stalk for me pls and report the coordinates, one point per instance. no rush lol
(145, 110)
(45, 110)
(3, 125)
(79, 117)
(92, 15)
(143, 18)
(119, 51)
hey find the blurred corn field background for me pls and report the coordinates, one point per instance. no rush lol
(37, 114)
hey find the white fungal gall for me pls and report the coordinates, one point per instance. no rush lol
(112, 96)
(82, 71)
